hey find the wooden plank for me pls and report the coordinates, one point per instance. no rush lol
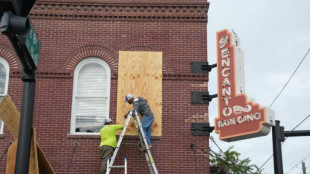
(10, 165)
(140, 73)
(33, 162)
(11, 118)
(10, 115)
(44, 165)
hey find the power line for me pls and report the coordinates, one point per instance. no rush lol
(215, 143)
(301, 122)
(290, 78)
(285, 139)
(192, 146)
(222, 152)
(280, 94)
(216, 156)
(295, 166)
(266, 162)
(229, 165)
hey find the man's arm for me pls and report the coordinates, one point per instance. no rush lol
(118, 127)
(136, 105)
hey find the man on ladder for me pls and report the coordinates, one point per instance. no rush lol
(144, 132)
(143, 143)
(141, 107)
(108, 142)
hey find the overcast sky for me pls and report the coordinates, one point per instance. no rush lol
(275, 36)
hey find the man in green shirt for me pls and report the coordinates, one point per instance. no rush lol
(108, 142)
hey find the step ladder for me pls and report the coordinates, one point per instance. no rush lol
(143, 143)
(117, 167)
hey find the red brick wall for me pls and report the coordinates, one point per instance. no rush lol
(70, 32)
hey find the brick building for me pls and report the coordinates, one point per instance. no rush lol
(84, 38)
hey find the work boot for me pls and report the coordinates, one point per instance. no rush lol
(142, 149)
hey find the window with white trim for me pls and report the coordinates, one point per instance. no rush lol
(4, 82)
(91, 96)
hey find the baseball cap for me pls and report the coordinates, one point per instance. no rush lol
(128, 97)
(107, 120)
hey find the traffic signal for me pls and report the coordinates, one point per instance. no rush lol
(17, 7)
(13, 24)
(17, 26)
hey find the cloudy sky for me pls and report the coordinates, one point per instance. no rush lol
(275, 37)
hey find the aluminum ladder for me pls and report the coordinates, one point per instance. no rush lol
(117, 167)
(143, 143)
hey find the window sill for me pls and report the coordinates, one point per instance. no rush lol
(136, 137)
(1, 136)
(126, 137)
(80, 136)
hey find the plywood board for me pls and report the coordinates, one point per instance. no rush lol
(11, 118)
(140, 74)
(10, 165)
(33, 162)
(10, 115)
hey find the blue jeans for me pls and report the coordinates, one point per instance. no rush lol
(147, 122)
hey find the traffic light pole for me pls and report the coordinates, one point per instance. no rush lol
(25, 127)
(28, 76)
(278, 135)
(16, 26)
(277, 138)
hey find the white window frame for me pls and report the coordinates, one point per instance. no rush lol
(74, 95)
(7, 68)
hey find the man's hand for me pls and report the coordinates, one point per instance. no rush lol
(126, 115)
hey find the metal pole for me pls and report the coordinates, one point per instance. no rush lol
(303, 168)
(277, 138)
(297, 133)
(25, 127)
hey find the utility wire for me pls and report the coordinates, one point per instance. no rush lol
(218, 157)
(75, 145)
(266, 162)
(6, 150)
(280, 94)
(285, 139)
(290, 78)
(301, 122)
(221, 151)
(192, 146)
(216, 143)
(295, 166)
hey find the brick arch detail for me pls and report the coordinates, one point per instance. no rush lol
(9, 55)
(167, 63)
(91, 50)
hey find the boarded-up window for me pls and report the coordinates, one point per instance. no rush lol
(140, 74)
(91, 96)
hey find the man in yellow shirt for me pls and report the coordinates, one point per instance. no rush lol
(108, 142)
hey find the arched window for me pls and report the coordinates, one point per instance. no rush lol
(91, 96)
(4, 82)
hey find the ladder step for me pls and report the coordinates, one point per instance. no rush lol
(117, 167)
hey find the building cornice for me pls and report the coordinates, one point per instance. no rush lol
(195, 12)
